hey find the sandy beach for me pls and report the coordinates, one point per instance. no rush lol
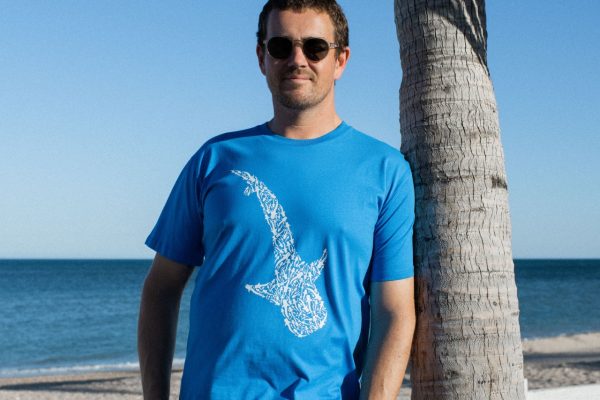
(549, 363)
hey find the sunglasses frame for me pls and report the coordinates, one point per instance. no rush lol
(300, 42)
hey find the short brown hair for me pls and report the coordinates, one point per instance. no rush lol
(330, 7)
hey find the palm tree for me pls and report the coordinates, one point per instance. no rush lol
(467, 344)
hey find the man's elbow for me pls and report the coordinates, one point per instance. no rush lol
(398, 325)
(404, 315)
(405, 321)
(410, 318)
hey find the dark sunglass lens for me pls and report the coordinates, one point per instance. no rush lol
(279, 47)
(316, 49)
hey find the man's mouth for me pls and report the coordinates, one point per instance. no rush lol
(297, 78)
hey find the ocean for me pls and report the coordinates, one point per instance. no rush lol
(69, 316)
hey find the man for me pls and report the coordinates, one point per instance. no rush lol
(303, 230)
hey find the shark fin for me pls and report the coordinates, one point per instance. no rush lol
(315, 267)
(266, 291)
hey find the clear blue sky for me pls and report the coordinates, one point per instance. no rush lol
(102, 102)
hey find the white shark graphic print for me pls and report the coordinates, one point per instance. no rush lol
(293, 288)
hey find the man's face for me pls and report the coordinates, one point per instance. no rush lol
(298, 83)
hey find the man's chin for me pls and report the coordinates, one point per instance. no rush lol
(296, 103)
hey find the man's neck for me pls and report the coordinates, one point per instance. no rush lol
(308, 124)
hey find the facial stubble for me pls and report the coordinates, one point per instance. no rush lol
(292, 100)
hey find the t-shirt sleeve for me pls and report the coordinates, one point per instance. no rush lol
(177, 234)
(393, 238)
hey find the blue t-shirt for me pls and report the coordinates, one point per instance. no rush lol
(289, 234)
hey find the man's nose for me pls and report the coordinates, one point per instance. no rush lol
(297, 57)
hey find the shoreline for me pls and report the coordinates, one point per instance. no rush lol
(535, 348)
(555, 362)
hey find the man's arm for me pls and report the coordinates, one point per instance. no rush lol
(157, 325)
(390, 339)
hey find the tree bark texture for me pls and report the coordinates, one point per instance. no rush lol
(467, 343)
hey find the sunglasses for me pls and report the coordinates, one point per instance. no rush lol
(315, 49)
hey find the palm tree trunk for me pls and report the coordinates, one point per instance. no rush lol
(467, 343)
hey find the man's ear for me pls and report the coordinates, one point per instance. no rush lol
(260, 53)
(341, 62)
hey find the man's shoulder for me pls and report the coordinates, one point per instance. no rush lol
(378, 149)
(233, 135)
(217, 145)
(223, 140)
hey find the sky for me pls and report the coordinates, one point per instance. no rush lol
(103, 102)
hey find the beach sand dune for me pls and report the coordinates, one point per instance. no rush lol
(549, 363)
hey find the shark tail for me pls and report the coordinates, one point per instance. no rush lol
(249, 179)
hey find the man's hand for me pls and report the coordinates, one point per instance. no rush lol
(157, 325)
(392, 328)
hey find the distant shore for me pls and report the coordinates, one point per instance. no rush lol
(549, 363)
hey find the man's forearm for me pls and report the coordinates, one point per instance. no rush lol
(156, 338)
(388, 352)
